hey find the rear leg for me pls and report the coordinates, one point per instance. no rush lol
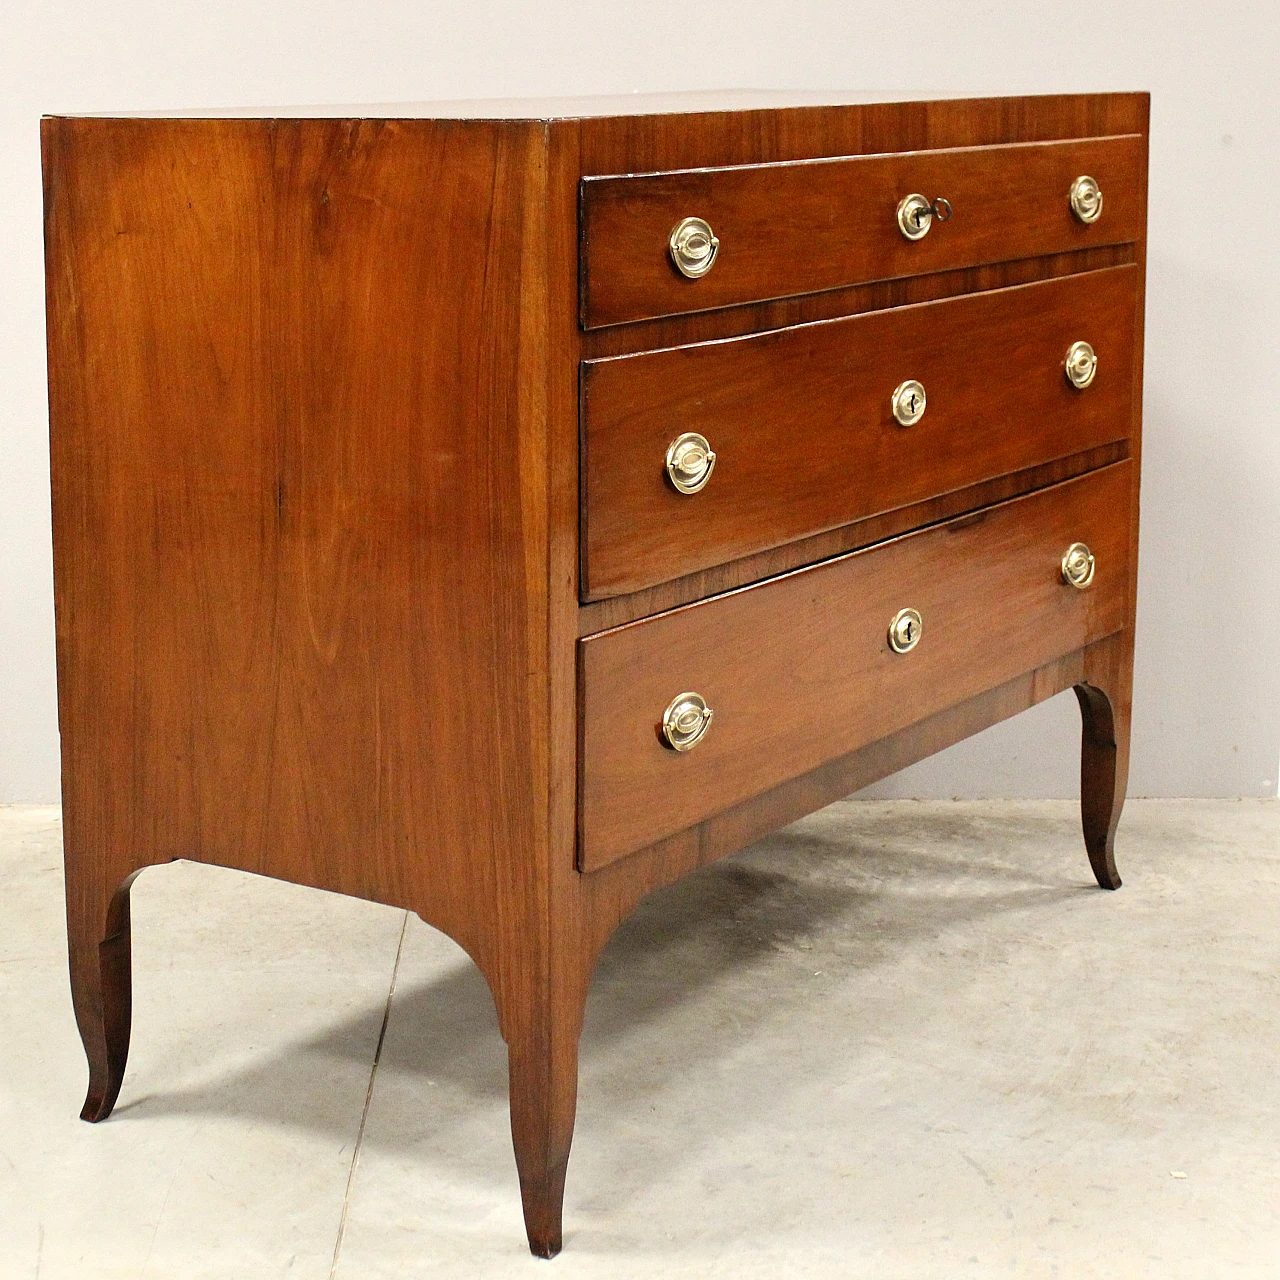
(101, 985)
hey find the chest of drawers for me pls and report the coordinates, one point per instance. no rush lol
(500, 511)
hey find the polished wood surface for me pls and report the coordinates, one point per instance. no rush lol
(315, 427)
(802, 427)
(614, 611)
(799, 669)
(832, 304)
(792, 228)
(301, 529)
(619, 142)
(1098, 672)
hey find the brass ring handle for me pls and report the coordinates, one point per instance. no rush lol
(685, 721)
(916, 214)
(905, 630)
(908, 402)
(1080, 365)
(690, 462)
(693, 247)
(1086, 199)
(1077, 566)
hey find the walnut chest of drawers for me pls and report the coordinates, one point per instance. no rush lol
(501, 511)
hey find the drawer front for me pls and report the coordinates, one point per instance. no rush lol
(799, 670)
(804, 226)
(802, 426)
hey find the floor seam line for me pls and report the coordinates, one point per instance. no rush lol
(368, 1099)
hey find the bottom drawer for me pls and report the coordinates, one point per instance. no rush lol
(800, 669)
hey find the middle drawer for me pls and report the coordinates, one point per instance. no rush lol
(803, 428)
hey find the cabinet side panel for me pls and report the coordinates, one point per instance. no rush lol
(299, 487)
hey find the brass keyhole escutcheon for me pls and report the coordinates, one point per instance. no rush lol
(693, 247)
(1077, 566)
(1086, 199)
(905, 630)
(915, 216)
(690, 462)
(685, 721)
(1081, 364)
(908, 402)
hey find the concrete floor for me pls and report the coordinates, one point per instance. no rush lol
(894, 1040)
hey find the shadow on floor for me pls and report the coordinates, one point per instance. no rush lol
(869, 890)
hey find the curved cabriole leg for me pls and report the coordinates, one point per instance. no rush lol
(101, 986)
(1104, 769)
(543, 1065)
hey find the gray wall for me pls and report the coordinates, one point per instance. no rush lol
(1207, 699)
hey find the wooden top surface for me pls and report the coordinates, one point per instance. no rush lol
(562, 108)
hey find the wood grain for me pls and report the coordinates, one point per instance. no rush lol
(314, 392)
(831, 304)
(301, 527)
(614, 611)
(801, 423)
(799, 670)
(802, 227)
(614, 890)
(619, 142)
(275, 548)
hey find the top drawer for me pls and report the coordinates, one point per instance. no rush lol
(803, 226)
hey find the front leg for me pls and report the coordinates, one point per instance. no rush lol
(542, 1055)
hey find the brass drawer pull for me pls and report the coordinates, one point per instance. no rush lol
(1077, 566)
(908, 402)
(1086, 199)
(685, 721)
(905, 630)
(1081, 364)
(916, 214)
(693, 247)
(690, 462)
